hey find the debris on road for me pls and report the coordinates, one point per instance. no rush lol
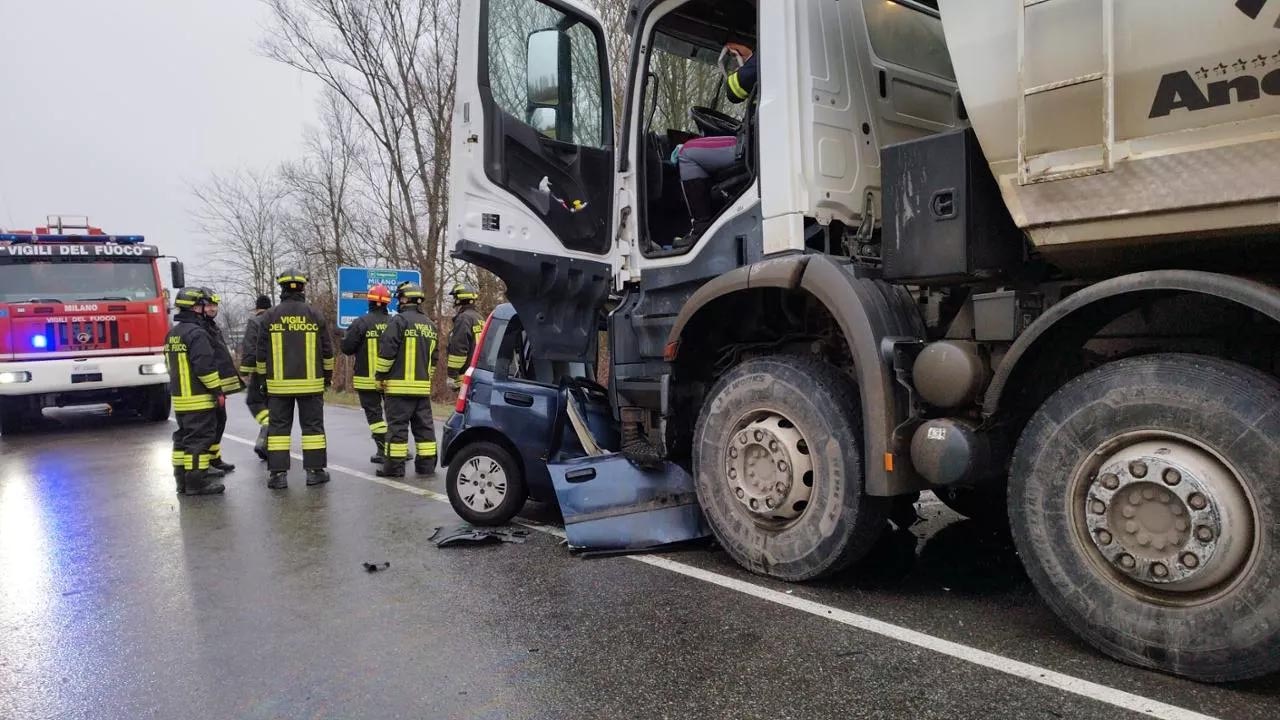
(471, 535)
(375, 567)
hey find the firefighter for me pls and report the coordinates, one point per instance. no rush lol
(407, 353)
(361, 342)
(468, 323)
(228, 377)
(256, 395)
(196, 392)
(295, 353)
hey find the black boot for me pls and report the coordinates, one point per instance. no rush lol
(180, 480)
(260, 447)
(425, 465)
(225, 467)
(697, 195)
(379, 456)
(214, 471)
(317, 477)
(391, 469)
(200, 483)
(279, 480)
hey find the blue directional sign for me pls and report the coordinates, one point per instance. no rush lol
(353, 289)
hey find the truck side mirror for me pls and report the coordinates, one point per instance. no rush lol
(549, 83)
(178, 274)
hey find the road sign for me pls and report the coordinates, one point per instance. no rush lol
(353, 289)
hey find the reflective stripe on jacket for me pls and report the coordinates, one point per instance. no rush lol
(361, 342)
(228, 377)
(407, 353)
(294, 351)
(193, 369)
(463, 337)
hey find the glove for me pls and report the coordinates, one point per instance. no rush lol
(382, 386)
(675, 154)
(328, 379)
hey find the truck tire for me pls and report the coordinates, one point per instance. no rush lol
(778, 467)
(12, 417)
(1145, 504)
(156, 403)
(485, 484)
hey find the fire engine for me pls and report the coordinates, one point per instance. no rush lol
(82, 321)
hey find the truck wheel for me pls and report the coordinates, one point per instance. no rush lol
(1144, 502)
(485, 484)
(155, 403)
(11, 417)
(778, 466)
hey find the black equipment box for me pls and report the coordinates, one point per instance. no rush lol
(944, 219)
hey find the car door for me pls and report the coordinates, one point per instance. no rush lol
(533, 164)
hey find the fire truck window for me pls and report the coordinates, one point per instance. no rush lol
(67, 281)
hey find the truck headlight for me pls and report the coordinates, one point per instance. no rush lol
(153, 369)
(9, 378)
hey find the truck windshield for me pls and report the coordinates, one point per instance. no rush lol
(71, 280)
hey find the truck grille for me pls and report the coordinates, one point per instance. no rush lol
(88, 335)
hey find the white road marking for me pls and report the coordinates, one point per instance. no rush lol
(1026, 671)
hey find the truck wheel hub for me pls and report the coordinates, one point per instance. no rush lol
(769, 470)
(1169, 515)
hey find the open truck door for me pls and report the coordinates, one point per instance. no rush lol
(533, 165)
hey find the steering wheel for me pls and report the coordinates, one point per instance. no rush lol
(714, 123)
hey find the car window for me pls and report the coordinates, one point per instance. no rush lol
(514, 359)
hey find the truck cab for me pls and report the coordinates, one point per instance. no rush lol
(991, 251)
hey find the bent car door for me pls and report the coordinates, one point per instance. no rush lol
(533, 165)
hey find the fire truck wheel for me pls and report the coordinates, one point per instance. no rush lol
(155, 403)
(1145, 505)
(778, 467)
(12, 417)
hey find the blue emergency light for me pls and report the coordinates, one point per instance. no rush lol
(39, 342)
(118, 239)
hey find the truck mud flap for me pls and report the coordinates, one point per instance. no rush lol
(610, 504)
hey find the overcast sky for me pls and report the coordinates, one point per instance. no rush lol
(111, 108)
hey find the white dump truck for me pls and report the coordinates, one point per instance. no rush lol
(1021, 253)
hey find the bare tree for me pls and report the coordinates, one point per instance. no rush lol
(240, 215)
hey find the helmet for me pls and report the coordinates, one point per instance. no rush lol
(410, 293)
(190, 297)
(292, 279)
(379, 294)
(214, 298)
(463, 292)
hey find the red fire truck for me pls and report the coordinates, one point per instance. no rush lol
(83, 318)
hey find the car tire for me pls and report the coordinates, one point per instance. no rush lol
(1192, 589)
(12, 417)
(780, 397)
(471, 484)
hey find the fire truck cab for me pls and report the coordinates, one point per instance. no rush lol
(83, 316)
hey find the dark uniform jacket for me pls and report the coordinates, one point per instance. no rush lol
(193, 368)
(361, 341)
(463, 336)
(228, 377)
(407, 353)
(294, 350)
(252, 329)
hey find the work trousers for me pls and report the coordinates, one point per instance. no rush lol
(220, 427)
(256, 398)
(405, 412)
(311, 422)
(371, 403)
(194, 439)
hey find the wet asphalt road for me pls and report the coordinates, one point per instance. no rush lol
(120, 600)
